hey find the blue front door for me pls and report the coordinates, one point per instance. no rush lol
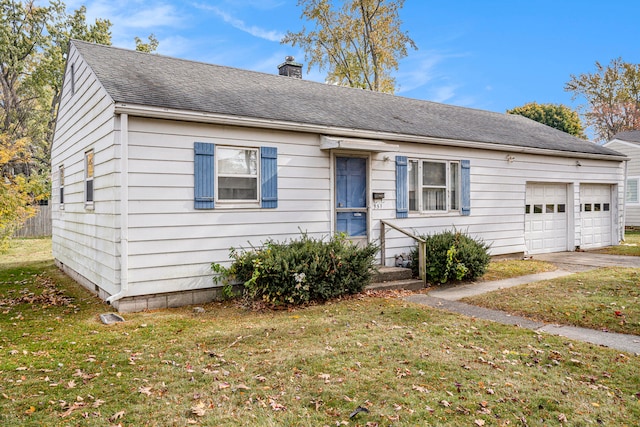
(351, 196)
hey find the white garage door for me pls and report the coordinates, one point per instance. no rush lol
(595, 208)
(546, 218)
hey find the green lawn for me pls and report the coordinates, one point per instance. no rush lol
(604, 299)
(407, 364)
(630, 246)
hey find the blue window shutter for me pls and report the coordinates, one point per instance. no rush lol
(402, 192)
(269, 176)
(465, 186)
(204, 184)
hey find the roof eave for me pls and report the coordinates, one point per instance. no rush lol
(222, 119)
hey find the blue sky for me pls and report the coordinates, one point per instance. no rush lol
(486, 54)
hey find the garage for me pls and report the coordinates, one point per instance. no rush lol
(595, 213)
(546, 218)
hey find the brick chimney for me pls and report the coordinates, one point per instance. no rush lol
(290, 68)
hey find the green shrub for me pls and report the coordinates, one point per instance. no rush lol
(453, 255)
(300, 271)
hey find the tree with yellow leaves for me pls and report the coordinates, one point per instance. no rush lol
(17, 199)
(359, 44)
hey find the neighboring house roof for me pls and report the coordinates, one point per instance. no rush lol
(628, 136)
(131, 77)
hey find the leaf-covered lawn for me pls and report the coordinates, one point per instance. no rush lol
(630, 246)
(405, 364)
(607, 299)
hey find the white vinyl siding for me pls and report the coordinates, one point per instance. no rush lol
(86, 241)
(171, 244)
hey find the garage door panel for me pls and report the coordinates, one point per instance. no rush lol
(546, 218)
(595, 204)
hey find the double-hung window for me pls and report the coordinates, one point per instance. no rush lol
(88, 178)
(61, 186)
(434, 186)
(237, 174)
(230, 176)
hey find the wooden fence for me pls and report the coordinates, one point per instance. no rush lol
(38, 225)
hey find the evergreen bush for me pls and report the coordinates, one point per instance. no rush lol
(300, 271)
(453, 255)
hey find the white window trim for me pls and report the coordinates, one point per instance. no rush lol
(637, 180)
(448, 210)
(237, 204)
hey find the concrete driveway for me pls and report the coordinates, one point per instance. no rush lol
(584, 261)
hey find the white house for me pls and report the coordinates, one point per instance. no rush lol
(161, 165)
(628, 143)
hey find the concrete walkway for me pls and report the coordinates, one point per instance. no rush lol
(447, 297)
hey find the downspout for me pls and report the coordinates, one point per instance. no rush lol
(124, 210)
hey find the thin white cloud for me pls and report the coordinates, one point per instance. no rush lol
(271, 35)
(443, 93)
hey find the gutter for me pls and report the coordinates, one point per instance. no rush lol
(202, 117)
(124, 210)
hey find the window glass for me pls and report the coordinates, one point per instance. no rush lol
(537, 209)
(454, 185)
(587, 207)
(413, 185)
(237, 171)
(527, 209)
(596, 207)
(632, 190)
(561, 208)
(434, 173)
(550, 208)
(434, 199)
(61, 180)
(237, 161)
(605, 207)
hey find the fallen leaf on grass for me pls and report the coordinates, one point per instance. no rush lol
(276, 406)
(75, 406)
(145, 390)
(479, 422)
(420, 389)
(116, 416)
(31, 410)
(199, 409)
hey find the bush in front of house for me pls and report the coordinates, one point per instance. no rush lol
(300, 271)
(453, 255)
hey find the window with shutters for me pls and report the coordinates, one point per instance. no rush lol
(235, 177)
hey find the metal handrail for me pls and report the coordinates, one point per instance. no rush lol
(422, 263)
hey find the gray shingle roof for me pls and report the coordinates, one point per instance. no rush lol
(629, 136)
(153, 80)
